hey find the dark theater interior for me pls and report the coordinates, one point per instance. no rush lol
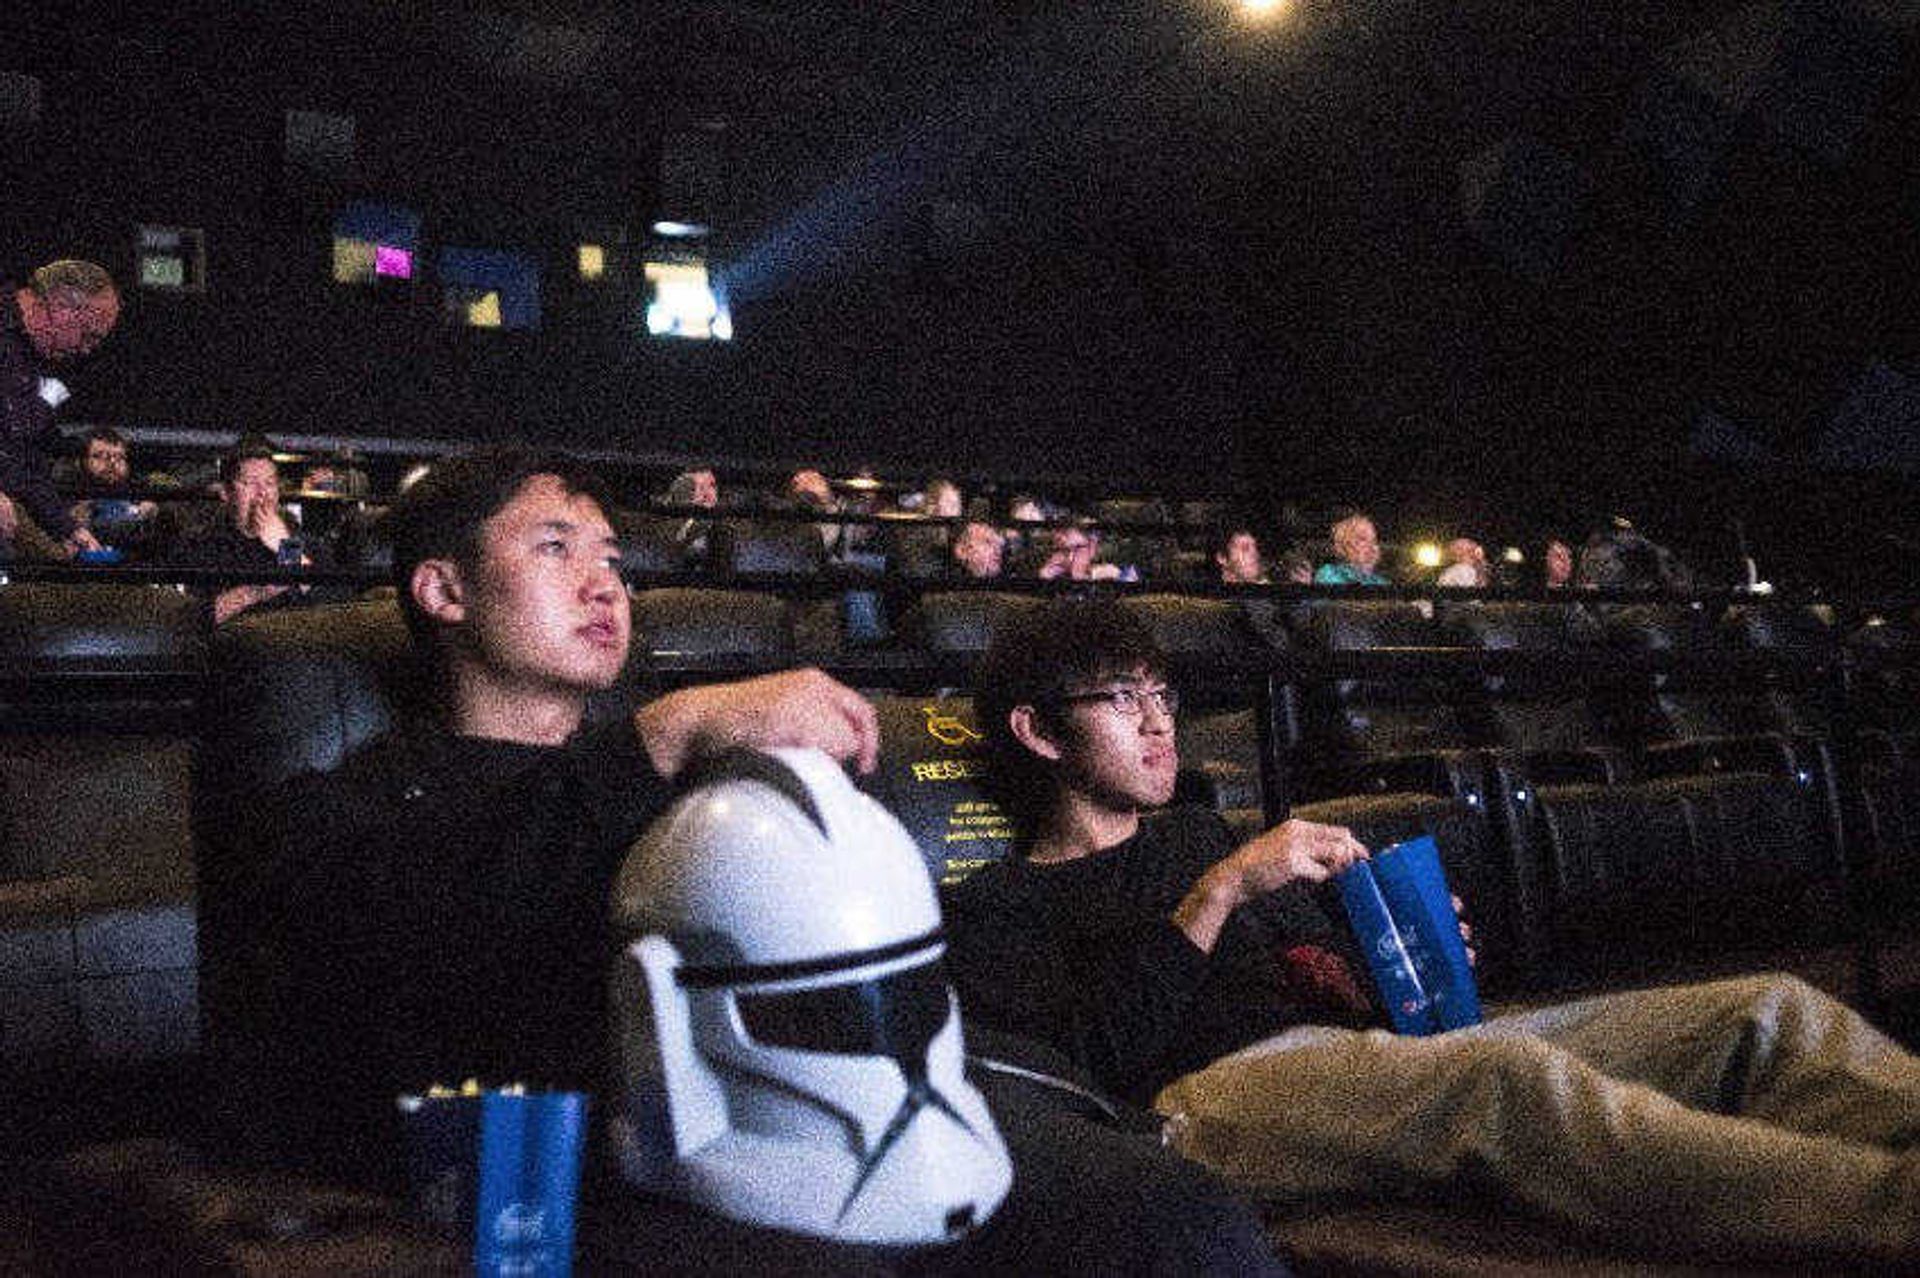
(1495, 422)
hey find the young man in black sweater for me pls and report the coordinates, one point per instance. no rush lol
(1753, 1116)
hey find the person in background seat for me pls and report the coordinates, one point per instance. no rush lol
(252, 532)
(1356, 549)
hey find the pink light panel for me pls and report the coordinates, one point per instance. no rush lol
(396, 263)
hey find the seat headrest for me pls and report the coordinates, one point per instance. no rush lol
(1192, 630)
(1524, 627)
(774, 547)
(960, 621)
(83, 623)
(1355, 626)
(705, 622)
(1657, 627)
(1767, 627)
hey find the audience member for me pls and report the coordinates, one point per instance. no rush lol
(978, 549)
(438, 904)
(1236, 553)
(694, 536)
(1620, 557)
(694, 488)
(809, 490)
(106, 507)
(253, 533)
(1465, 565)
(1556, 565)
(942, 499)
(1025, 515)
(1356, 549)
(1296, 568)
(64, 312)
(1070, 556)
(1753, 1116)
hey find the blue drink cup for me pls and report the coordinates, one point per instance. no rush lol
(501, 1169)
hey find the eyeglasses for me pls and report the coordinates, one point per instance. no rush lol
(1130, 702)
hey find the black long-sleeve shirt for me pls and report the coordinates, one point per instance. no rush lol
(437, 907)
(26, 427)
(1084, 955)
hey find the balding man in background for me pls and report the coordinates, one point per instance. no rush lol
(64, 312)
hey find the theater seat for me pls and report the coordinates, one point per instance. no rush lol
(772, 547)
(705, 624)
(97, 935)
(958, 622)
(1352, 723)
(932, 776)
(1535, 710)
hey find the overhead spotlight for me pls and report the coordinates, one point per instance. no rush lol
(1264, 10)
(680, 230)
(1427, 555)
(1514, 555)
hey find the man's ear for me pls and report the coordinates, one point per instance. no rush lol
(438, 591)
(1030, 731)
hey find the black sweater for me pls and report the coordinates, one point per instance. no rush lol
(437, 910)
(1084, 955)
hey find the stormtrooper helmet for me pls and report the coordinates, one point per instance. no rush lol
(787, 1044)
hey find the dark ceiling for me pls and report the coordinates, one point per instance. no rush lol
(1543, 239)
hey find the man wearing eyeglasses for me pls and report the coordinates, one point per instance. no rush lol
(1752, 1117)
(63, 313)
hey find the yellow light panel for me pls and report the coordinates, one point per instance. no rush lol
(484, 312)
(352, 261)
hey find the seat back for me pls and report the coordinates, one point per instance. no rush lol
(959, 622)
(769, 546)
(694, 621)
(1351, 721)
(1533, 710)
(932, 777)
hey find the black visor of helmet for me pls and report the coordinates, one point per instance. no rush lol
(896, 1015)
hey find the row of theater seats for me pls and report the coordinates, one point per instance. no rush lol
(1618, 794)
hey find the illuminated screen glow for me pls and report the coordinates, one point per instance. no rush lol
(162, 270)
(681, 302)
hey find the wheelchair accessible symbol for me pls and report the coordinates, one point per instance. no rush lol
(948, 729)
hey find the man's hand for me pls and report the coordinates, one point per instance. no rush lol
(237, 599)
(794, 708)
(1293, 851)
(1466, 930)
(80, 539)
(263, 522)
(9, 521)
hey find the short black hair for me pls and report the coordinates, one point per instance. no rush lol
(249, 447)
(105, 435)
(439, 516)
(1035, 657)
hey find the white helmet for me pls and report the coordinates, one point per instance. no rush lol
(787, 1044)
